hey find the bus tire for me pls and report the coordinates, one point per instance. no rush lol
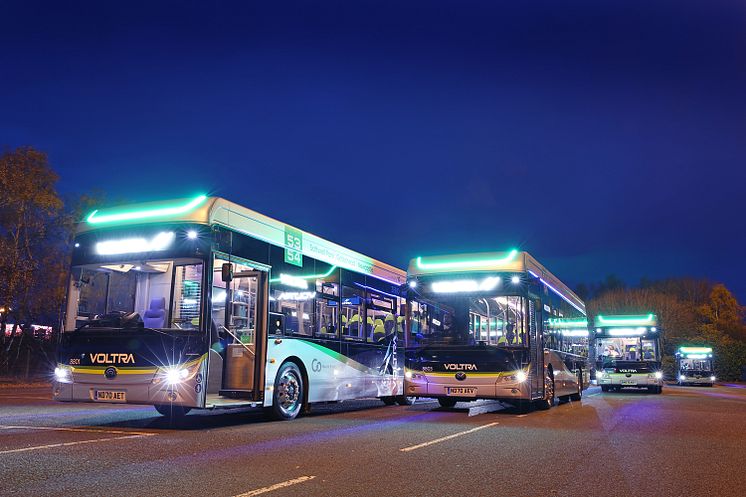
(171, 411)
(403, 400)
(288, 394)
(446, 402)
(389, 401)
(548, 401)
(604, 388)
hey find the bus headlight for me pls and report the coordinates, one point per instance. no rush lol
(658, 375)
(712, 378)
(62, 374)
(176, 375)
(173, 375)
(408, 375)
(520, 376)
(682, 377)
(600, 373)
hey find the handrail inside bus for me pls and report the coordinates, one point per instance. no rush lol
(238, 339)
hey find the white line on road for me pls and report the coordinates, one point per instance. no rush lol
(521, 415)
(51, 446)
(84, 430)
(449, 437)
(276, 486)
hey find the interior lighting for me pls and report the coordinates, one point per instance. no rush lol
(159, 242)
(300, 278)
(465, 263)
(165, 211)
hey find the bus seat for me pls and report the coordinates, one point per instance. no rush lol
(155, 316)
(379, 330)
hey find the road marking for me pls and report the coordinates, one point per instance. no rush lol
(51, 446)
(449, 437)
(84, 430)
(276, 486)
(521, 415)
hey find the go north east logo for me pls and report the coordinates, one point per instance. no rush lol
(460, 367)
(112, 358)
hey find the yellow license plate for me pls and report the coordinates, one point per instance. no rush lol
(110, 396)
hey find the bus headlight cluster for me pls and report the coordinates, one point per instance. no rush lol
(174, 375)
(682, 377)
(521, 376)
(712, 378)
(600, 373)
(62, 374)
(658, 375)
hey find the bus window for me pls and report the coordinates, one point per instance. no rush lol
(381, 316)
(352, 314)
(327, 310)
(187, 294)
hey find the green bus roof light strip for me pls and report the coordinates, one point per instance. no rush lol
(627, 320)
(133, 215)
(466, 263)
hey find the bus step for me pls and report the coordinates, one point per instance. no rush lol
(236, 394)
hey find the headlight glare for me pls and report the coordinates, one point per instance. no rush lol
(658, 375)
(62, 374)
(712, 378)
(521, 376)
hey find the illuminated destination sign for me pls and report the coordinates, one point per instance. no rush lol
(159, 242)
(456, 286)
(296, 296)
(294, 281)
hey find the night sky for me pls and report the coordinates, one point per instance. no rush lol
(602, 137)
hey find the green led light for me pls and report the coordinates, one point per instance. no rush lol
(146, 213)
(626, 320)
(309, 277)
(568, 323)
(695, 350)
(464, 264)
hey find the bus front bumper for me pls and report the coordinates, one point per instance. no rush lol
(186, 394)
(633, 380)
(471, 388)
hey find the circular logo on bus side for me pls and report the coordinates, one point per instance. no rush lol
(110, 373)
(460, 376)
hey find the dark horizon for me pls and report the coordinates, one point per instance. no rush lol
(603, 139)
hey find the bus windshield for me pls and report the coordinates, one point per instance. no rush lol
(696, 365)
(610, 350)
(159, 294)
(470, 320)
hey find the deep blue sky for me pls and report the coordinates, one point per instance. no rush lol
(603, 137)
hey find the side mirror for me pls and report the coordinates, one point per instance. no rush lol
(227, 272)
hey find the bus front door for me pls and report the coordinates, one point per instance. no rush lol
(244, 327)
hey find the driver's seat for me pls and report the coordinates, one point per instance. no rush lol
(155, 316)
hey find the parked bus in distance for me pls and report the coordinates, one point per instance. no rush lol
(694, 366)
(494, 325)
(627, 352)
(202, 303)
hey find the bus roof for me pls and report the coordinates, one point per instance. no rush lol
(510, 261)
(211, 211)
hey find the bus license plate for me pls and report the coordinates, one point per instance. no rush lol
(110, 396)
(629, 382)
(463, 391)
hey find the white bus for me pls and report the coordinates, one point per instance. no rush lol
(202, 303)
(494, 325)
(627, 352)
(694, 366)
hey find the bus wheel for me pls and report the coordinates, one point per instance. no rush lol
(172, 412)
(604, 388)
(548, 401)
(659, 389)
(403, 400)
(287, 397)
(389, 401)
(446, 402)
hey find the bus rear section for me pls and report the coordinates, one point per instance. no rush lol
(627, 351)
(694, 366)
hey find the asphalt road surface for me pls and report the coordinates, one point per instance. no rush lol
(689, 441)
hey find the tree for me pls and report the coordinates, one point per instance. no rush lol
(722, 313)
